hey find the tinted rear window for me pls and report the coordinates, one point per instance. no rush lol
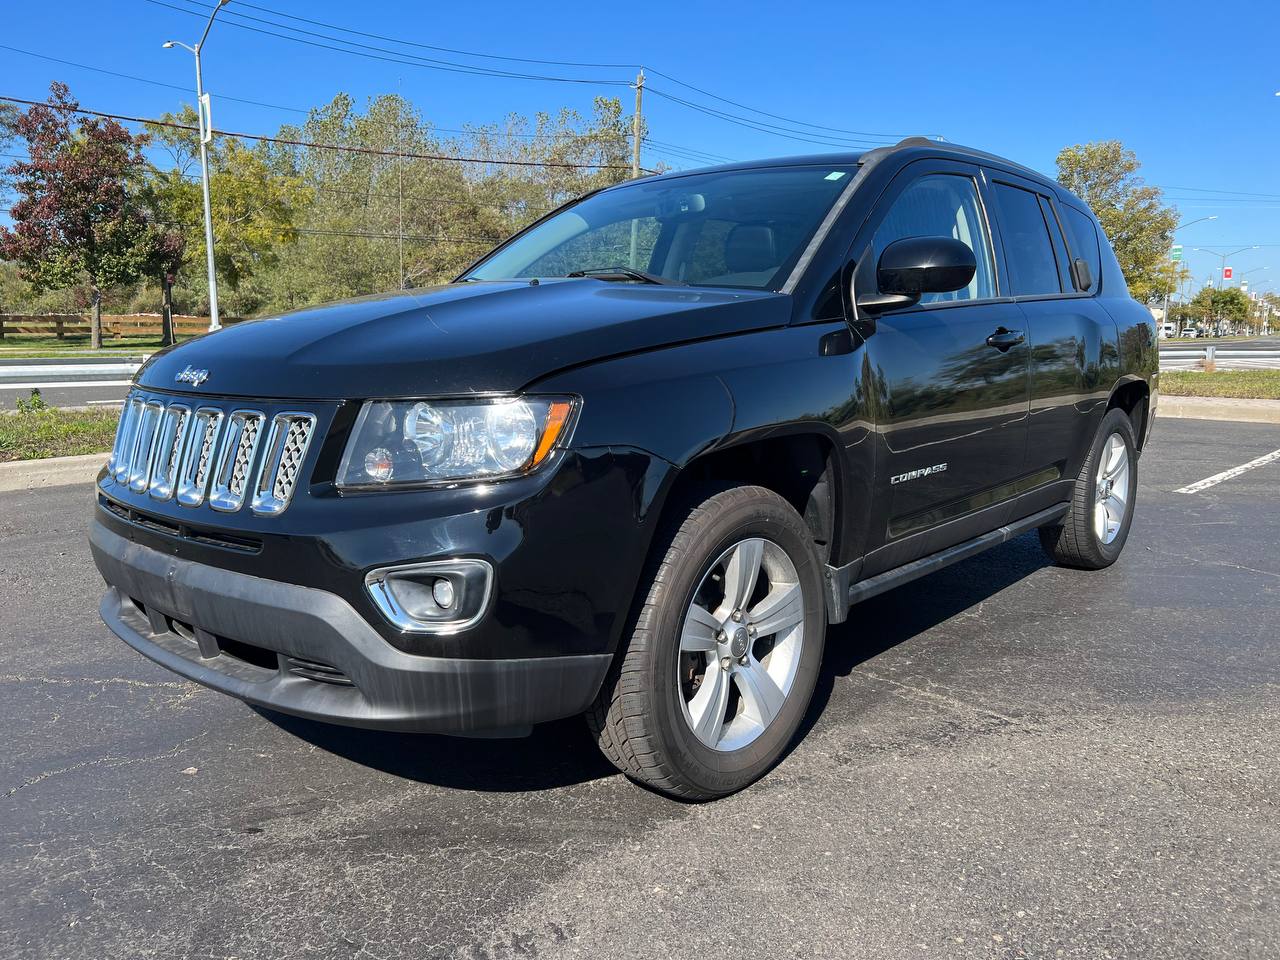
(1032, 268)
(1083, 239)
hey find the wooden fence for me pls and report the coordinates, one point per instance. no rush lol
(62, 325)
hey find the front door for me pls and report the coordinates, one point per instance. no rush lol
(951, 375)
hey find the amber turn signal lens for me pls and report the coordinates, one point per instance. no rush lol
(557, 417)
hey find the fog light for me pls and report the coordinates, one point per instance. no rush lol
(443, 593)
(439, 596)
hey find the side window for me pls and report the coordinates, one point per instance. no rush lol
(1083, 239)
(1032, 268)
(942, 205)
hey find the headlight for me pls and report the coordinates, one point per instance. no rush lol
(441, 441)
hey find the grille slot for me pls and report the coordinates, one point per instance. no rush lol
(234, 460)
(144, 445)
(169, 440)
(286, 447)
(126, 431)
(211, 456)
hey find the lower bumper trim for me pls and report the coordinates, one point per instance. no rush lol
(198, 620)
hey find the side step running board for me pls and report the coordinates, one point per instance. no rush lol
(841, 595)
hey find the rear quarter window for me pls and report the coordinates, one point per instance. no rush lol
(1082, 238)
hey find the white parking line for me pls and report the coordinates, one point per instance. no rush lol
(1228, 474)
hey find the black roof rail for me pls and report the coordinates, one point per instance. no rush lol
(879, 153)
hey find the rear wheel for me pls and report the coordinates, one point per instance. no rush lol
(1095, 529)
(721, 662)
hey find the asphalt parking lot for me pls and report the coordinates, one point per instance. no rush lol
(1004, 759)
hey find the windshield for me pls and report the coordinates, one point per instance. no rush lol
(742, 228)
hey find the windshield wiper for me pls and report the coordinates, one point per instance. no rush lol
(620, 273)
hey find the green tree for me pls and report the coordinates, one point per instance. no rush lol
(1225, 305)
(79, 218)
(254, 206)
(1140, 227)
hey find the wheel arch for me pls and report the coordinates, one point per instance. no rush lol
(799, 463)
(1133, 395)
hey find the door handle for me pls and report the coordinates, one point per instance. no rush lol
(1003, 339)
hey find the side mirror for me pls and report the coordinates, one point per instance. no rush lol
(914, 266)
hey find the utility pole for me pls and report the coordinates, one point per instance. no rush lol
(636, 125)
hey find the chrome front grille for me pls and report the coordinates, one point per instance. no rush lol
(171, 451)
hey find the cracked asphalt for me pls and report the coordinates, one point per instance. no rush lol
(1004, 759)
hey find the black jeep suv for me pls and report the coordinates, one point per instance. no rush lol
(635, 460)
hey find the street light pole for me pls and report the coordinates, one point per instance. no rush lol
(206, 134)
(1223, 257)
(1165, 316)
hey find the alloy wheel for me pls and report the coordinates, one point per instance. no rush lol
(1111, 489)
(740, 644)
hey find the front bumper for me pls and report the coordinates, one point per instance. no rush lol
(306, 651)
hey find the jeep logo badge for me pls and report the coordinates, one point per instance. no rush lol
(192, 376)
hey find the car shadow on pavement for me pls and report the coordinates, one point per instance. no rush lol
(555, 754)
(562, 753)
(881, 623)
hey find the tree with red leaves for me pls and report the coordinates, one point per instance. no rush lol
(80, 216)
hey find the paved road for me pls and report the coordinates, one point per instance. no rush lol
(68, 396)
(1005, 759)
(75, 381)
(1256, 343)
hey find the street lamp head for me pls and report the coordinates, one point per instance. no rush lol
(168, 45)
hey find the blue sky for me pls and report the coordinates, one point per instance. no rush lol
(1189, 86)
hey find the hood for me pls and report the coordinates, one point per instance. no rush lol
(453, 340)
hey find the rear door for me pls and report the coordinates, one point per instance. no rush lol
(1072, 351)
(951, 376)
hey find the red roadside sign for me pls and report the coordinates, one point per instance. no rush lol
(1226, 273)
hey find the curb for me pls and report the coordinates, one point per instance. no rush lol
(51, 472)
(1219, 408)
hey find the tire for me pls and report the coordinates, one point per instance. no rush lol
(1084, 539)
(643, 718)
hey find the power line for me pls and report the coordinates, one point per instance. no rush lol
(356, 234)
(799, 135)
(766, 113)
(571, 63)
(472, 132)
(427, 46)
(352, 192)
(382, 53)
(1238, 193)
(154, 83)
(371, 151)
(693, 151)
(814, 129)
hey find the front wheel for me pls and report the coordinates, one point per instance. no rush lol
(724, 653)
(1095, 529)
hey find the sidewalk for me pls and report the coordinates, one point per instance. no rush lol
(1219, 408)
